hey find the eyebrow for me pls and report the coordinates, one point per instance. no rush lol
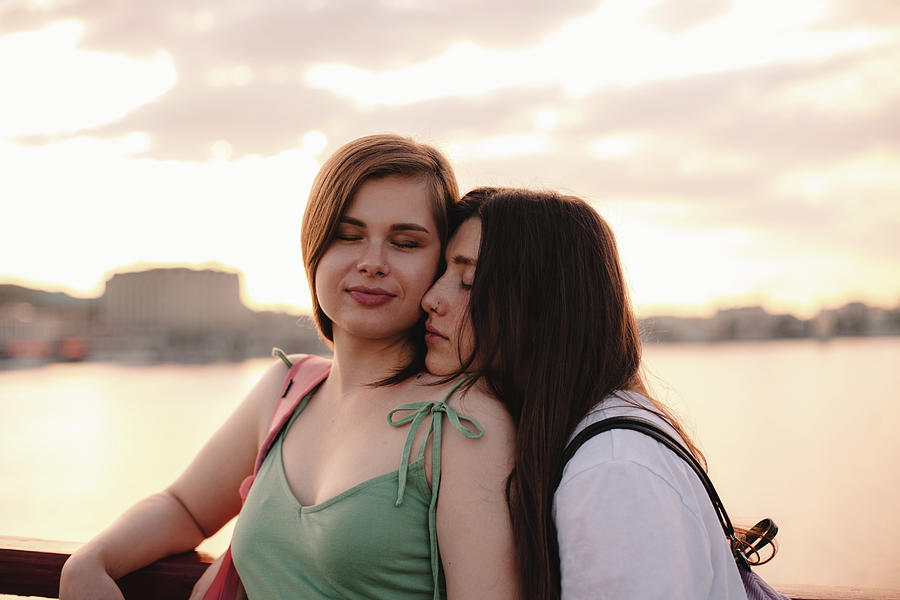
(459, 259)
(394, 227)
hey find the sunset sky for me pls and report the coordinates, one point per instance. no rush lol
(745, 152)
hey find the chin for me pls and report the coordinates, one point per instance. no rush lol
(378, 328)
(439, 367)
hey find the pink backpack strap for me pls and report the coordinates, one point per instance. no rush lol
(306, 373)
(226, 583)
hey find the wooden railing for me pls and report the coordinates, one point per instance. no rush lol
(31, 568)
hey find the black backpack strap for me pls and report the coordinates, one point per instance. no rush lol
(648, 428)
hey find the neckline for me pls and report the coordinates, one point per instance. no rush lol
(412, 465)
(306, 508)
(278, 448)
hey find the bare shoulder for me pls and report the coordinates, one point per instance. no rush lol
(477, 403)
(263, 397)
(473, 523)
(498, 439)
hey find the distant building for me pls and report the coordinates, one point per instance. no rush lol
(187, 300)
(856, 319)
(25, 333)
(745, 323)
(196, 315)
(742, 323)
(664, 329)
(35, 324)
(180, 314)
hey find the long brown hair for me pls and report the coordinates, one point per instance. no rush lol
(333, 189)
(554, 334)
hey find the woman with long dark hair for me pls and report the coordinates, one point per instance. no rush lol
(330, 514)
(534, 304)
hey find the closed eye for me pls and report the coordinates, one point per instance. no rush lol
(347, 237)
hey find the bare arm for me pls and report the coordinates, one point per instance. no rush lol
(473, 523)
(195, 506)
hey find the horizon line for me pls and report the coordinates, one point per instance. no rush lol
(646, 311)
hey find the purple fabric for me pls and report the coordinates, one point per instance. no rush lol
(756, 588)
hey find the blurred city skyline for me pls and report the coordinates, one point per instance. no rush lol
(745, 152)
(688, 313)
(197, 315)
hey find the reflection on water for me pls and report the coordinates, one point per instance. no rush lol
(85, 441)
(803, 432)
(797, 431)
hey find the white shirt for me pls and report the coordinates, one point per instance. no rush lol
(634, 521)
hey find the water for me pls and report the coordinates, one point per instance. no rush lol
(799, 431)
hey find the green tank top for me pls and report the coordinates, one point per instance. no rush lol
(375, 540)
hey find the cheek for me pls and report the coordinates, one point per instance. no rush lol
(422, 274)
(324, 296)
(326, 264)
(327, 276)
(320, 286)
(466, 339)
(458, 314)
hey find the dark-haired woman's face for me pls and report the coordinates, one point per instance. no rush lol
(449, 328)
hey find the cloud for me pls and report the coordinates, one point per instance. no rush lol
(242, 66)
(740, 115)
(871, 14)
(368, 33)
(50, 86)
(674, 16)
(252, 120)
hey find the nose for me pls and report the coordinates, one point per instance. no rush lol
(372, 261)
(434, 301)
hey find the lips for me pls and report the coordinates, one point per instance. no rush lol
(432, 334)
(370, 296)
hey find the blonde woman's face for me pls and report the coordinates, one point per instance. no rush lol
(372, 277)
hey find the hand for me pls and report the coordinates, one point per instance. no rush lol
(83, 578)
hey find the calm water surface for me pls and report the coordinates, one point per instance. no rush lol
(803, 432)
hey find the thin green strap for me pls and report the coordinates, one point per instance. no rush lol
(432, 507)
(279, 353)
(418, 411)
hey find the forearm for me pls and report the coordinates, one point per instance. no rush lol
(151, 529)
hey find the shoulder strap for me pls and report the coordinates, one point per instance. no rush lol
(417, 413)
(304, 375)
(648, 428)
